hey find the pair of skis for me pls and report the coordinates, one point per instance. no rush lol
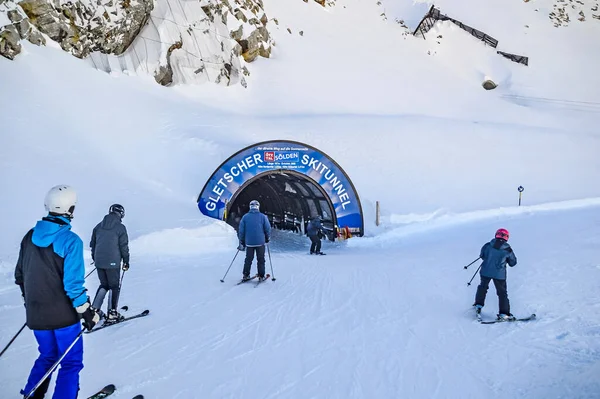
(119, 321)
(107, 391)
(481, 321)
(242, 281)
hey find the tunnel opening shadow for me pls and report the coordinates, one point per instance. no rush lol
(289, 199)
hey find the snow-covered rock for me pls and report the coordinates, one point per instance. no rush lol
(175, 41)
(81, 27)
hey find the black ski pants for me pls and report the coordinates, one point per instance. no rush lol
(315, 245)
(482, 288)
(109, 282)
(260, 260)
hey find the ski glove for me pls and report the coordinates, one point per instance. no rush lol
(125, 267)
(267, 239)
(88, 314)
(241, 247)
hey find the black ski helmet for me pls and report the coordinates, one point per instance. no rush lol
(118, 209)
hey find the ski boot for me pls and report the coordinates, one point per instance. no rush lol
(506, 317)
(113, 316)
(246, 277)
(477, 308)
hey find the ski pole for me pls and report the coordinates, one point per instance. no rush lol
(467, 266)
(236, 254)
(469, 283)
(41, 381)
(12, 340)
(272, 273)
(87, 275)
(120, 284)
(24, 325)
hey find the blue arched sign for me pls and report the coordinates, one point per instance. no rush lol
(270, 156)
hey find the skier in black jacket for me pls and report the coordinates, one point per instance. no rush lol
(110, 246)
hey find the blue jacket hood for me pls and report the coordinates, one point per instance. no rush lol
(46, 232)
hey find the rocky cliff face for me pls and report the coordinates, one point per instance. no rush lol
(175, 41)
(80, 27)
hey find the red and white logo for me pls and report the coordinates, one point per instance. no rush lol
(269, 156)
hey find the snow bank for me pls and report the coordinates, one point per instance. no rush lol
(398, 226)
(214, 236)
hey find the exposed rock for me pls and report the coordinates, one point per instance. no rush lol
(240, 15)
(164, 74)
(237, 50)
(251, 55)
(208, 11)
(24, 28)
(107, 28)
(81, 28)
(256, 42)
(264, 51)
(9, 42)
(238, 34)
(489, 84)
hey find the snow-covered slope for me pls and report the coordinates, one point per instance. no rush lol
(386, 320)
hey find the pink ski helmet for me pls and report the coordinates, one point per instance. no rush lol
(502, 233)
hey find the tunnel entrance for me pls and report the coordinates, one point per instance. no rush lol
(293, 182)
(289, 199)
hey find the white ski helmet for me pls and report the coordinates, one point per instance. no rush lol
(254, 204)
(61, 200)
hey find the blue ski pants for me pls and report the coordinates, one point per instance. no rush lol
(51, 345)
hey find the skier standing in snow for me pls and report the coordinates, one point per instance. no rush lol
(313, 231)
(50, 272)
(110, 246)
(254, 232)
(496, 254)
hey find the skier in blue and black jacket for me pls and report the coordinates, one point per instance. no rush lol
(496, 254)
(50, 272)
(254, 232)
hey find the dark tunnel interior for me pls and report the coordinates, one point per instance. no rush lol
(289, 200)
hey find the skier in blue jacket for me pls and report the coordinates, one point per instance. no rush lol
(254, 232)
(496, 254)
(50, 272)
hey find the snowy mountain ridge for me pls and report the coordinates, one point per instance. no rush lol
(183, 42)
